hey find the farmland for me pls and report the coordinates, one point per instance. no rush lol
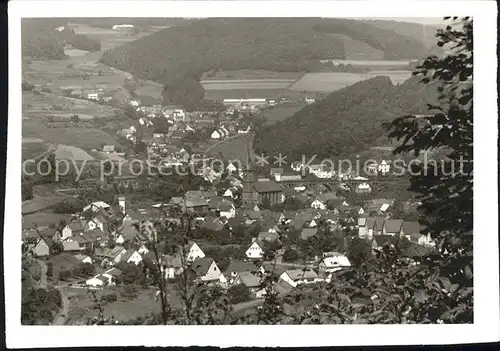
(67, 152)
(336, 80)
(47, 104)
(31, 147)
(86, 138)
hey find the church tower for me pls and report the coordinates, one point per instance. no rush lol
(249, 195)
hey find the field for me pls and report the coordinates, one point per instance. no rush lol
(357, 50)
(38, 204)
(149, 88)
(334, 81)
(232, 84)
(85, 138)
(67, 152)
(31, 147)
(46, 104)
(43, 219)
(280, 112)
(246, 74)
(370, 63)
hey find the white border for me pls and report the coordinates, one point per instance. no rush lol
(486, 300)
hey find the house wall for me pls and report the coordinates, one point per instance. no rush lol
(42, 249)
(94, 282)
(194, 253)
(135, 258)
(318, 205)
(213, 273)
(254, 251)
(67, 232)
(284, 276)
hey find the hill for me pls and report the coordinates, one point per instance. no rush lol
(344, 123)
(41, 40)
(175, 55)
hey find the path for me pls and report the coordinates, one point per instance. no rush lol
(43, 273)
(61, 317)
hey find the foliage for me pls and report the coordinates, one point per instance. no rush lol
(290, 255)
(239, 293)
(26, 191)
(131, 274)
(39, 305)
(359, 251)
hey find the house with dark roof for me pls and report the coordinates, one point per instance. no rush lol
(269, 191)
(392, 227)
(252, 281)
(198, 205)
(268, 236)
(379, 241)
(410, 227)
(206, 270)
(307, 233)
(237, 266)
(71, 246)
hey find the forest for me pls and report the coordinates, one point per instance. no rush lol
(345, 122)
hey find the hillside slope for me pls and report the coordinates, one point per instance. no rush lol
(345, 122)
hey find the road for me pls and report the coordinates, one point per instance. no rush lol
(43, 273)
(61, 317)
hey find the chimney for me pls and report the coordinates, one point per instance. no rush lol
(121, 203)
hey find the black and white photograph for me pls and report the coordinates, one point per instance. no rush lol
(248, 167)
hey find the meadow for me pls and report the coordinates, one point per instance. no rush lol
(280, 112)
(334, 81)
(85, 138)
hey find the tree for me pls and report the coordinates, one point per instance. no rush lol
(75, 118)
(359, 251)
(56, 248)
(290, 255)
(239, 293)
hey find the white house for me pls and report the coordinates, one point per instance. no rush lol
(206, 270)
(227, 210)
(231, 168)
(95, 206)
(215, 135)
(228, 193)
(194, 252)
(363, 188)
(66, 232)
(96, 281)
(296, 277)
(131, 256)
(142, 249)
(84, 258)
(94, 224)
(93, 96)
(255, 251)
(384, 167)
(318, 204)
(333, 263)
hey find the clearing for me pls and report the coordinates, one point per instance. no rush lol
(280, 112)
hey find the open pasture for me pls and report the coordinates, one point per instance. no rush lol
(85, 138)
(245, 74)
(280, 112)
(334, 81)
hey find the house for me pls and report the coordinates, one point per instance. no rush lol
(171, 266)
(206, 270)
(71, 246)
(372, 226)
(42, 246)
(363, 188)
(252, 281)
(108, 148)
(393, 227)
(66, 232)
(307, 233)
(128, 232)
(318, 204)
(296, 277)
(199, 205)
(332, 263)
(97, 281)
(379, 241)
(384, 167)
(228, 193)
(111, 256)
(95, 206)
(237, 266)
(84, 258)
(421, 239)
(227, 210)
(409, 228)
(193, 251)
(131, 256)
(215, 135)
(269, 191)
(268, 236)
(76, 227)
(255, 251)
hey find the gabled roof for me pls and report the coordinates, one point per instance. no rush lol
(254, 215)
(375, 223)
(338, 260)
(268, 236)
(77, 225)
(308, 232)
(70, 246)
(240, 266)
(226, 206)
(411, 227)
(127, 255)
(201, 265)
(196, 202)
(249, 279)
(298, 274)
(329, 196)
(382, 240)
(393, 225)
(267, 187)
(115, 272)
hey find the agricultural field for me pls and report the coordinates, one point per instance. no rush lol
(149, 88)
(41, 203)
(329, 82)
(380, 64)
(44, 218)
(246, 74)
(47, 104)
(67, 152)
(85, 138)
(32, 147)
(280, 112)
(234, 148)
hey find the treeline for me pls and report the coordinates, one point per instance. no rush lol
(40, 40)
(177, 57)
(345, 122)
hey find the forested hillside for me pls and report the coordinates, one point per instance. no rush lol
(174, 54)
(41, 41)
(345, 122)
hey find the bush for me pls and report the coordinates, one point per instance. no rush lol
(111, 297)
(290, 255)
(239, 293)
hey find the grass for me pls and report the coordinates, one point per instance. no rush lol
(250, 74)
(85, 138)
(32, 149)
(336, 80)
(232, 149)
(43, 219)
(38, 204)
(72, 153)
